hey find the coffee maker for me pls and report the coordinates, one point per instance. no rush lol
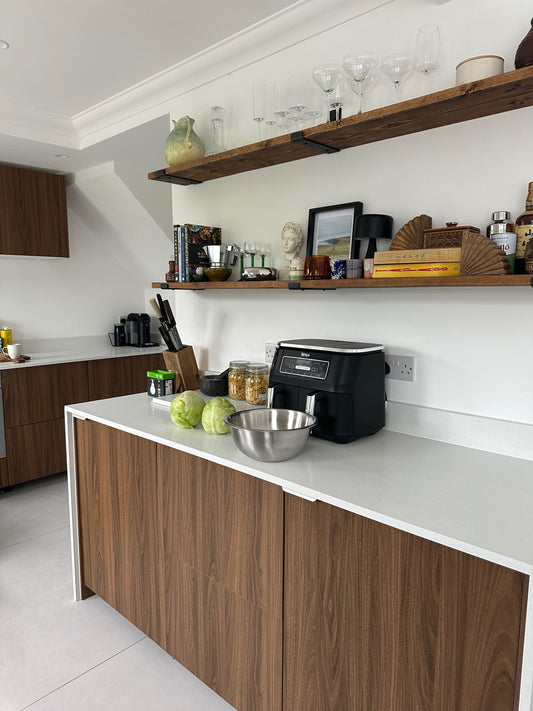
(138, 330)
(342, 383)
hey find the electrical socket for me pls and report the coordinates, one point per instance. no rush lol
(270, 351)
(402, 367)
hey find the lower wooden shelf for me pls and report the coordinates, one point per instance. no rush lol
(332, 284)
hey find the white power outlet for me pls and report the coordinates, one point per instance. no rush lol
(401, 367)
(270, 351)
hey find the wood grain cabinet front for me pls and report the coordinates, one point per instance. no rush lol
(33, 218)
(120, 533)
(223, 542)
(376, 619)
(113, 377)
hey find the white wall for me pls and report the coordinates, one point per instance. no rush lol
(473, 345)
(116, 250)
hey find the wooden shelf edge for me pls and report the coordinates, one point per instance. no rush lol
(494, 95)
(332, 284)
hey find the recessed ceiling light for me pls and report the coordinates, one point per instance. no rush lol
(3, 44)
(61, 155)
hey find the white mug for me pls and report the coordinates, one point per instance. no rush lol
(13, 350)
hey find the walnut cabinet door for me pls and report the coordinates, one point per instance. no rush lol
(376, 619)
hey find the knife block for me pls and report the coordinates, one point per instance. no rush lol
(183, 365)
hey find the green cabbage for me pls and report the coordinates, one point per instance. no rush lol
(186, 409)
(214, 413)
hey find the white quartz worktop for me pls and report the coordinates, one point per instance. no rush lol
(53, 351)
(477, 502)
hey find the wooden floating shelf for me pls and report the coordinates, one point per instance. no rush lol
(332, 284)
(495, 95)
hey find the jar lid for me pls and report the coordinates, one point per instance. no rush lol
(239, 363)
(501, 215)
(257, 368)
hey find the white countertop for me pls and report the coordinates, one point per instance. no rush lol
(471, 500)
(52, 351)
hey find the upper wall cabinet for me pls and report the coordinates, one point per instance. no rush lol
(33, 213)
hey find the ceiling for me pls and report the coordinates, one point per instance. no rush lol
(66, 57)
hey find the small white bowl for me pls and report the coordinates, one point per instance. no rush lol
(475, 68)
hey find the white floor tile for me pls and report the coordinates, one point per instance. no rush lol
(142, 678)
(33, 508)
(57, 654)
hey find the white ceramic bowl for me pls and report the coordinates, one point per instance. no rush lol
(476, 68)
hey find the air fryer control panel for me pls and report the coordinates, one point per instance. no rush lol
(306, 367)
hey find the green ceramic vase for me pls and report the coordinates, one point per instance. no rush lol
(183, 144)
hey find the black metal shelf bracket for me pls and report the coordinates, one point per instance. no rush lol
(176, 179)
(296, 286)
(298, 137)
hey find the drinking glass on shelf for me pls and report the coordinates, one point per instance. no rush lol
(398, 67)
(217, 123)
(427, 51)
(270, 119)
(297, 99)
(362, 89)
(250, 248)
(315, 112)
(281, 105)
(359, 68)
(327, 77)
(258, 105)
(337, 99)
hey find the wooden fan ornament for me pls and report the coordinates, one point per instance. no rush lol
(411, 235)
(481, 257)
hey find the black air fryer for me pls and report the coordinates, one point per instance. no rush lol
(341, 382)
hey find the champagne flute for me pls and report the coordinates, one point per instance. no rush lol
(359, 67)
(398, 67)
(297, 99)
(427, 51)
(327, 77)
(250, 248)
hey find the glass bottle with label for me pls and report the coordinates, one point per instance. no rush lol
(524, 232)
(501, 232)
(529, 257)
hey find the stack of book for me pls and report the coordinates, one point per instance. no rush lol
(417, 263)
(189, 253)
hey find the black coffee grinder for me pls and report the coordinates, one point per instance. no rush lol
(341, 382)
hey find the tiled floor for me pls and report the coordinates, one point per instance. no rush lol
(61, 655)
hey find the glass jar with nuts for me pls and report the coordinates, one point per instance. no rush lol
(256, 385)
(237, 378)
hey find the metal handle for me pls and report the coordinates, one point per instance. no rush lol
(270, 394)
(310, 403)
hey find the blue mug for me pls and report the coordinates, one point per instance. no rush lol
(338, 268)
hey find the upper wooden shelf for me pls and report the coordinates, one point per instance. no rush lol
(504, 92)
(330, 284)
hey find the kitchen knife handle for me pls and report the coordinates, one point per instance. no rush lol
(156, 308)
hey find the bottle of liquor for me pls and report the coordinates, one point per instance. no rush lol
(529, 258)
(524, 232)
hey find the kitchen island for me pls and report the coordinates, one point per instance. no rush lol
(264, 578)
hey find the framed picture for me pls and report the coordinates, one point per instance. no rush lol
(331, 230)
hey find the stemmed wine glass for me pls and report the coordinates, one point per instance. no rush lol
(297, 99)
(258, 105)
(427, 51)
(359, 68)
(281, 106)
(398, 67)
(250, 248)
(327, 77)
(362, 88)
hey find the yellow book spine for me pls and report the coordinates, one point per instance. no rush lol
(430, 269)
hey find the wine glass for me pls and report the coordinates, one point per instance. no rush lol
(398, 67)
(258, 105)
(327, 77)
(427, 50)
(362, 88)
(298, 99)
(359, 67)
(217, 123)
(250, 248)
(281, 106)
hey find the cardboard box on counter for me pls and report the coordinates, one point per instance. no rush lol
(160, 382)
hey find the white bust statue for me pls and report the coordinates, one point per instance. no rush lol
(292, 239)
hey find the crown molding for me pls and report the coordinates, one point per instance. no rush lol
(36, 125)
(152, 97)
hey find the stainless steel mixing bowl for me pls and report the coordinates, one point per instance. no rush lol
(270, 434)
